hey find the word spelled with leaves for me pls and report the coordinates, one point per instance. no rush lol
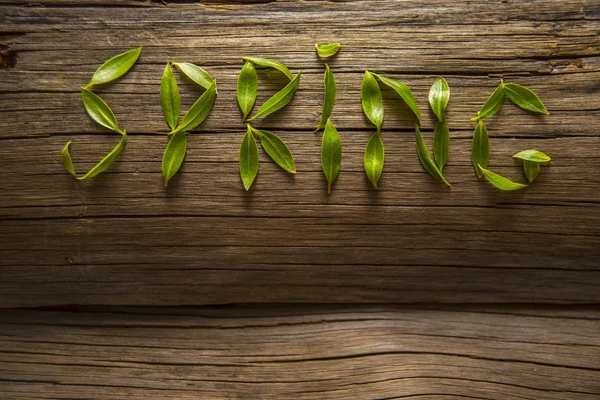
(331, 146)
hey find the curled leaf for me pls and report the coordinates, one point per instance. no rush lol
(279, 99)
(524, 98)
(372, 102)
(480, 150)
(532, 155)
(499, 181)
(67, 161)
(169, 97)
(439, 95)
(331, 154)
(174, 155)
(373, 159)
(270, 63)
(441, 143)
(404, 93)
(327, 50)
(115, 67)
(108, 160)
(425, 158)
(196, 74)
(531, 169)
(248, 159)
(492, 105)
(246, 88)
(276, 149)
(328, 98)
(99, 110)
(199, 110)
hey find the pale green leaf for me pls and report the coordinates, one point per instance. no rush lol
(276, 149)
(109, 159)
(196, 74)
(531, 169)
(67, 161)
(480, 150)
(270, 63)
(373, 159)
(532, 155)
(425, 158)
(248, 159)
(279, 99)
(499, 181)
(404, 92)
(99, 110)
(169, 98)
(441, 143)
(439, 95)
(115, 67)
(372, 102)
(327, 50)
(199, 111)
(524, 98)
(246, 88)
(331, 154)
(174, 155)
(492, 105)
(328, 98)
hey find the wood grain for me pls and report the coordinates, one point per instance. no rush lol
(301, 352)
(124, 239)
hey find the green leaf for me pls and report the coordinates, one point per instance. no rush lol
(372, 103)
(108, 160)
(480, 151)
(524, 98)
(328, 98)
(173, 155)
(199, 111)
(248, 159)
(492, 105)
(169, 98)
(425, 158)
(331, 154)
(67, 161)
(439, 95)
(404, 92)
(115, 67)
(196, 74)
(327, 50)
(531, 169)
(441, 143)
(246, 88)
(373, 159)
(532, 155)
(277, 150)
(279, 99)
(99, 110)
(270, 63)
(499, 181)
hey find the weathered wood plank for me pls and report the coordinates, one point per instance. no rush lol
(326, 352)
(124, 239)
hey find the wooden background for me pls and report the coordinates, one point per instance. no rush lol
(120, 288)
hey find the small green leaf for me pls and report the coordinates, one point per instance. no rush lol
(196, 74)
(372, 102)
(169, 97)
(404, 92)
(327, 50)
(276, 149)
(270, 63)
(246, 88)
(99, 110)
(331, 154)
(492, 105)
(67, 161)
(328, 98)
(279, 99)
(373, 159)
(531, 169)
(439, 95)
(425, 158)
(524, 98)
(499, 181)
(109, 159)
(199, 111)
(248, 159)
(173, 155)
(115, 67)
(480, 151)
(441, 143)
(532, 155)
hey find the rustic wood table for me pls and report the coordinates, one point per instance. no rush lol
(120, 288)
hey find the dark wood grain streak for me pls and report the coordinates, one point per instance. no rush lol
(301, 352)
(124, 239)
